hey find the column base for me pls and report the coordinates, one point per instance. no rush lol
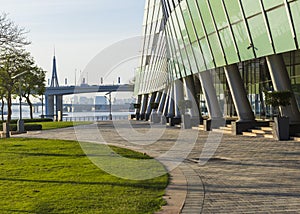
(239, 127)
(186, 121)
(142, 116)
(213, 123)
(174, 121)
(155, 118)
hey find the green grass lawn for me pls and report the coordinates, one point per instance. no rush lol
(58, 125)
(55, 176)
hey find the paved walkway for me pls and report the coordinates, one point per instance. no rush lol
(245, 175)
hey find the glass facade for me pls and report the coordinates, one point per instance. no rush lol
(186, 37)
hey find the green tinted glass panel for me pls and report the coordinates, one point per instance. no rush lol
(280, 29)
(251, 7)
(196, 18)
(177, 32)
(261, 41)
(208, 23)
(198, 57)
(179, 59)
(207, 54)
(170, 41)
(182, 27)
(186, 64)
(295, 8)
(239, 31)
(233, 10)
(228, 45)
(188, 22)
(272, 3)
(192, 61)
(218, 13)
(216, 49)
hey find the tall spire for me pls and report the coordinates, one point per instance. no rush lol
(54, 79)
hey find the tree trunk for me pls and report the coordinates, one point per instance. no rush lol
(30, 106)
(9, 110)
(2, 108)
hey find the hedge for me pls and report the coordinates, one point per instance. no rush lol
(36, 120)
(28, 127)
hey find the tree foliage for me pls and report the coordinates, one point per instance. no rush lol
(17, 68)
(278, 98)
(11, 35)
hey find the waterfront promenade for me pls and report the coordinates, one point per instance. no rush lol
(245, 175)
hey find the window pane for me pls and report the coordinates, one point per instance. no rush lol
(218, 13)
(209, 25)
(251, 7)
(216, 49)
(239, 31)
(228, 46)
(207, 54)
(188, 22)
(269, 4)
(260, 37)
(281, 31)
(295, 8)
(233, 9)
(196, 18)
(199, 57)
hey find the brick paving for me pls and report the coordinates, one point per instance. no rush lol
(245, 175)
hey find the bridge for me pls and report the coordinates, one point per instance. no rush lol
(56, 93)
(67, 90)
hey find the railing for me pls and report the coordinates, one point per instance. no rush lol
(95, 118)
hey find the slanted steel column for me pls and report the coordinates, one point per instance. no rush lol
(170, 112)
(59, 107)
(210, 95)
(157, 100)
(144, 106)
(137, 111)
(238, 93)
(152, 100)
(178, 95)
(190, 93)
(281, 82)
(163, 101)
(49, 102)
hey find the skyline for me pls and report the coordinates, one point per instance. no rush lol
(77, 31)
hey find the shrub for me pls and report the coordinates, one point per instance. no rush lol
(28, 127)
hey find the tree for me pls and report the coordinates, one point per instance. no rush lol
(12, 38)
(11, 35)
(12, 63)
(33, 84)
(2, 97)
(278, 99)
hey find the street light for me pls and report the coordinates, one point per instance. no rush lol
(20, 124)
(109, 99)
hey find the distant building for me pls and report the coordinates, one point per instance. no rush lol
(100, 100)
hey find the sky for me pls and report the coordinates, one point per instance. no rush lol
(78, 30)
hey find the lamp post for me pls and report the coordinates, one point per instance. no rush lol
(109, 99)
(20, 123)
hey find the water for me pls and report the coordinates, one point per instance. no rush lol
(26, 113)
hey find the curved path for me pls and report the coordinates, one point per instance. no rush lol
(245, 175)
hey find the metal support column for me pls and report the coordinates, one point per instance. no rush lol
(281, 82)
(149, 107)
(49, 105)
(59, 107)
(238, 93)
(144, 106)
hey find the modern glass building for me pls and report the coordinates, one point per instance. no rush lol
(223, 53)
